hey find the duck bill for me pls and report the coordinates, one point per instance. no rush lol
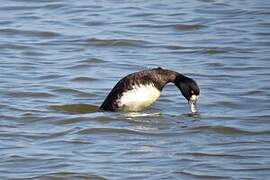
(193, 103)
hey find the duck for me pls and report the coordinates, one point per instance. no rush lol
(137, 91)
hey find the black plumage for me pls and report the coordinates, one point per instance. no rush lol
(158, 77)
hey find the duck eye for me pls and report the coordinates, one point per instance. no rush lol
(191, 92)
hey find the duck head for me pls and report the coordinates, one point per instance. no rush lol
(189, 89)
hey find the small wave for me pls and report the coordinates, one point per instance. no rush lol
(69, 175)
(72, 91)
(214, 50)
(78, 141)
(16, 46)
(200, 50)
(228, 130)
(93, 61)
(49, 77)
(112, 131)
(175, 47)
(189, 174)
(78, 66)
(254, 93)
(230, 104)
(83, 79)
(204, 154)
(84, 64)
(179, 27)
(245, 68)
(70, 120)
(76, 108)
(26, 94)
(42, 34)
(143, 14)
(186, 27)
(215, 64)
(117, 42)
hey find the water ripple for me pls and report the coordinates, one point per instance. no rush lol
(83, 79)
(25, 94)
(63, 90)
(185, 27)
(229, 130)
(189, 174)
(69, 175)
(117, 42)
(40, 34)
(113, 131)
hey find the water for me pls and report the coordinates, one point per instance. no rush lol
(59, 59)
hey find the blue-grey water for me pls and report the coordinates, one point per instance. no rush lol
(59, 59)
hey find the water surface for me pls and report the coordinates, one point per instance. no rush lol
(59, 59)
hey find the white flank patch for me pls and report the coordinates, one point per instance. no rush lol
(139, 97)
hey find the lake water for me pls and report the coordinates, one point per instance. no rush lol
(59, 59)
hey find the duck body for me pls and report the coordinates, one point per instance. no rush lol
(138, 98)
(138, 90)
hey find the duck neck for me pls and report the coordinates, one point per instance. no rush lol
(169, 76)
(174, 77)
